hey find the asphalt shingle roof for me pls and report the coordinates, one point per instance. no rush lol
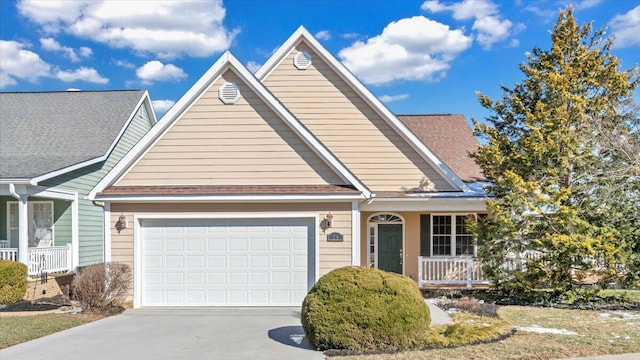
(451, 139)
(41, 132)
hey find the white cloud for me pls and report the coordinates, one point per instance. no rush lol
(545, 14)
(414, 48)
(323, 35)
(489, 26)
(464, 10)
(166, 28)
(16, 62)
(351, 35)
(51, 44)
(491, 30)
(125, 64)
(162, 105)
(253, 66)
(83, 74)
(392, 98)
(626, 28)
(85, 51)
(587, 4)
(154, 71)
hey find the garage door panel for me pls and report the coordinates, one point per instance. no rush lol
(174, 261)
(217, 261)
(227, 262)
(216, 244)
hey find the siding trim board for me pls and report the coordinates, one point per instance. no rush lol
(225, 62)
(302, 34)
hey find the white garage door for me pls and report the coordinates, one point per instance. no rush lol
(226, 262)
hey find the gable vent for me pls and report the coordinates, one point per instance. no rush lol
(302, 60)
(229, 93)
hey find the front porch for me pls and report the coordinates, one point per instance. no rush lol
(40, 260)
(39, 227)
(461, 271)
(434, 248)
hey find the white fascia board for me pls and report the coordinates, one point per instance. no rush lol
(163, 125)
(15, 181)
(234, 198)
(52, 193)
(367, 95)
(297, 126)
(67, 169)
(144, 98)
(428, 205)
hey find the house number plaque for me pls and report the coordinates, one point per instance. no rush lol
(334, 236)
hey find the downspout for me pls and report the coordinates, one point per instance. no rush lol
(12, 191)
(106, 248)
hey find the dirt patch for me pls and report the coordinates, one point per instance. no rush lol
(469, 305)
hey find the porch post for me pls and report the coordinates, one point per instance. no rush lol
(469, 271)
(23, 231)
(355, 234)
(75, 245)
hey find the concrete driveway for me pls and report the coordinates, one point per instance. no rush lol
(182, 333)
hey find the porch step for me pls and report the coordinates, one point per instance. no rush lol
(438, 316)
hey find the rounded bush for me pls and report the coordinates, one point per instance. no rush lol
(364, 309)
(13, 281)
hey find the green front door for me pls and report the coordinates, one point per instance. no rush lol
(390, 245)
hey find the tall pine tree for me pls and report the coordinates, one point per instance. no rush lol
(563, 156)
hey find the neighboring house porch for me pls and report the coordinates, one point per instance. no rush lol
(55, 147)
(40, 227)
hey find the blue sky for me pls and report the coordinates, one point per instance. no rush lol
(417, 56)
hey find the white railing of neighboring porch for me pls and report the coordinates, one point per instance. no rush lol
(49, 259)
(45, 259)
(463, 270)
(8, 254)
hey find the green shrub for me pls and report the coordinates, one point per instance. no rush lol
(364, 309)
(13, 281)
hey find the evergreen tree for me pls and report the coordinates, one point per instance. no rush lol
(563, 155)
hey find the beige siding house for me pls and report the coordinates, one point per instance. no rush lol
(252, 187)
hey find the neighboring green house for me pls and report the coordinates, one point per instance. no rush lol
(54, 148)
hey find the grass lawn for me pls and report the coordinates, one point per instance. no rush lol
(599, 332)
(17, 329)
(633, 295)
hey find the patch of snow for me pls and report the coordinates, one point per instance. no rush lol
(541, 330)
(627, 315)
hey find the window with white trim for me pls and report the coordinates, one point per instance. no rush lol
(450, 235)
(40, 223)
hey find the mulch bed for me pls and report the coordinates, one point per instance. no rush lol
(44, 304)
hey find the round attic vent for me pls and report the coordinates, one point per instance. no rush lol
(229, 93)
(302, 60)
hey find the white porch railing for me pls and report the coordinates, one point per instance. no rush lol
(45, 259)
(49, 259)
(9, 254)
(463, 270)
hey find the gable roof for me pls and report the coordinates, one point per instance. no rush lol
(302, 34)
(450, 138)
(226, 62)
(44, 134)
